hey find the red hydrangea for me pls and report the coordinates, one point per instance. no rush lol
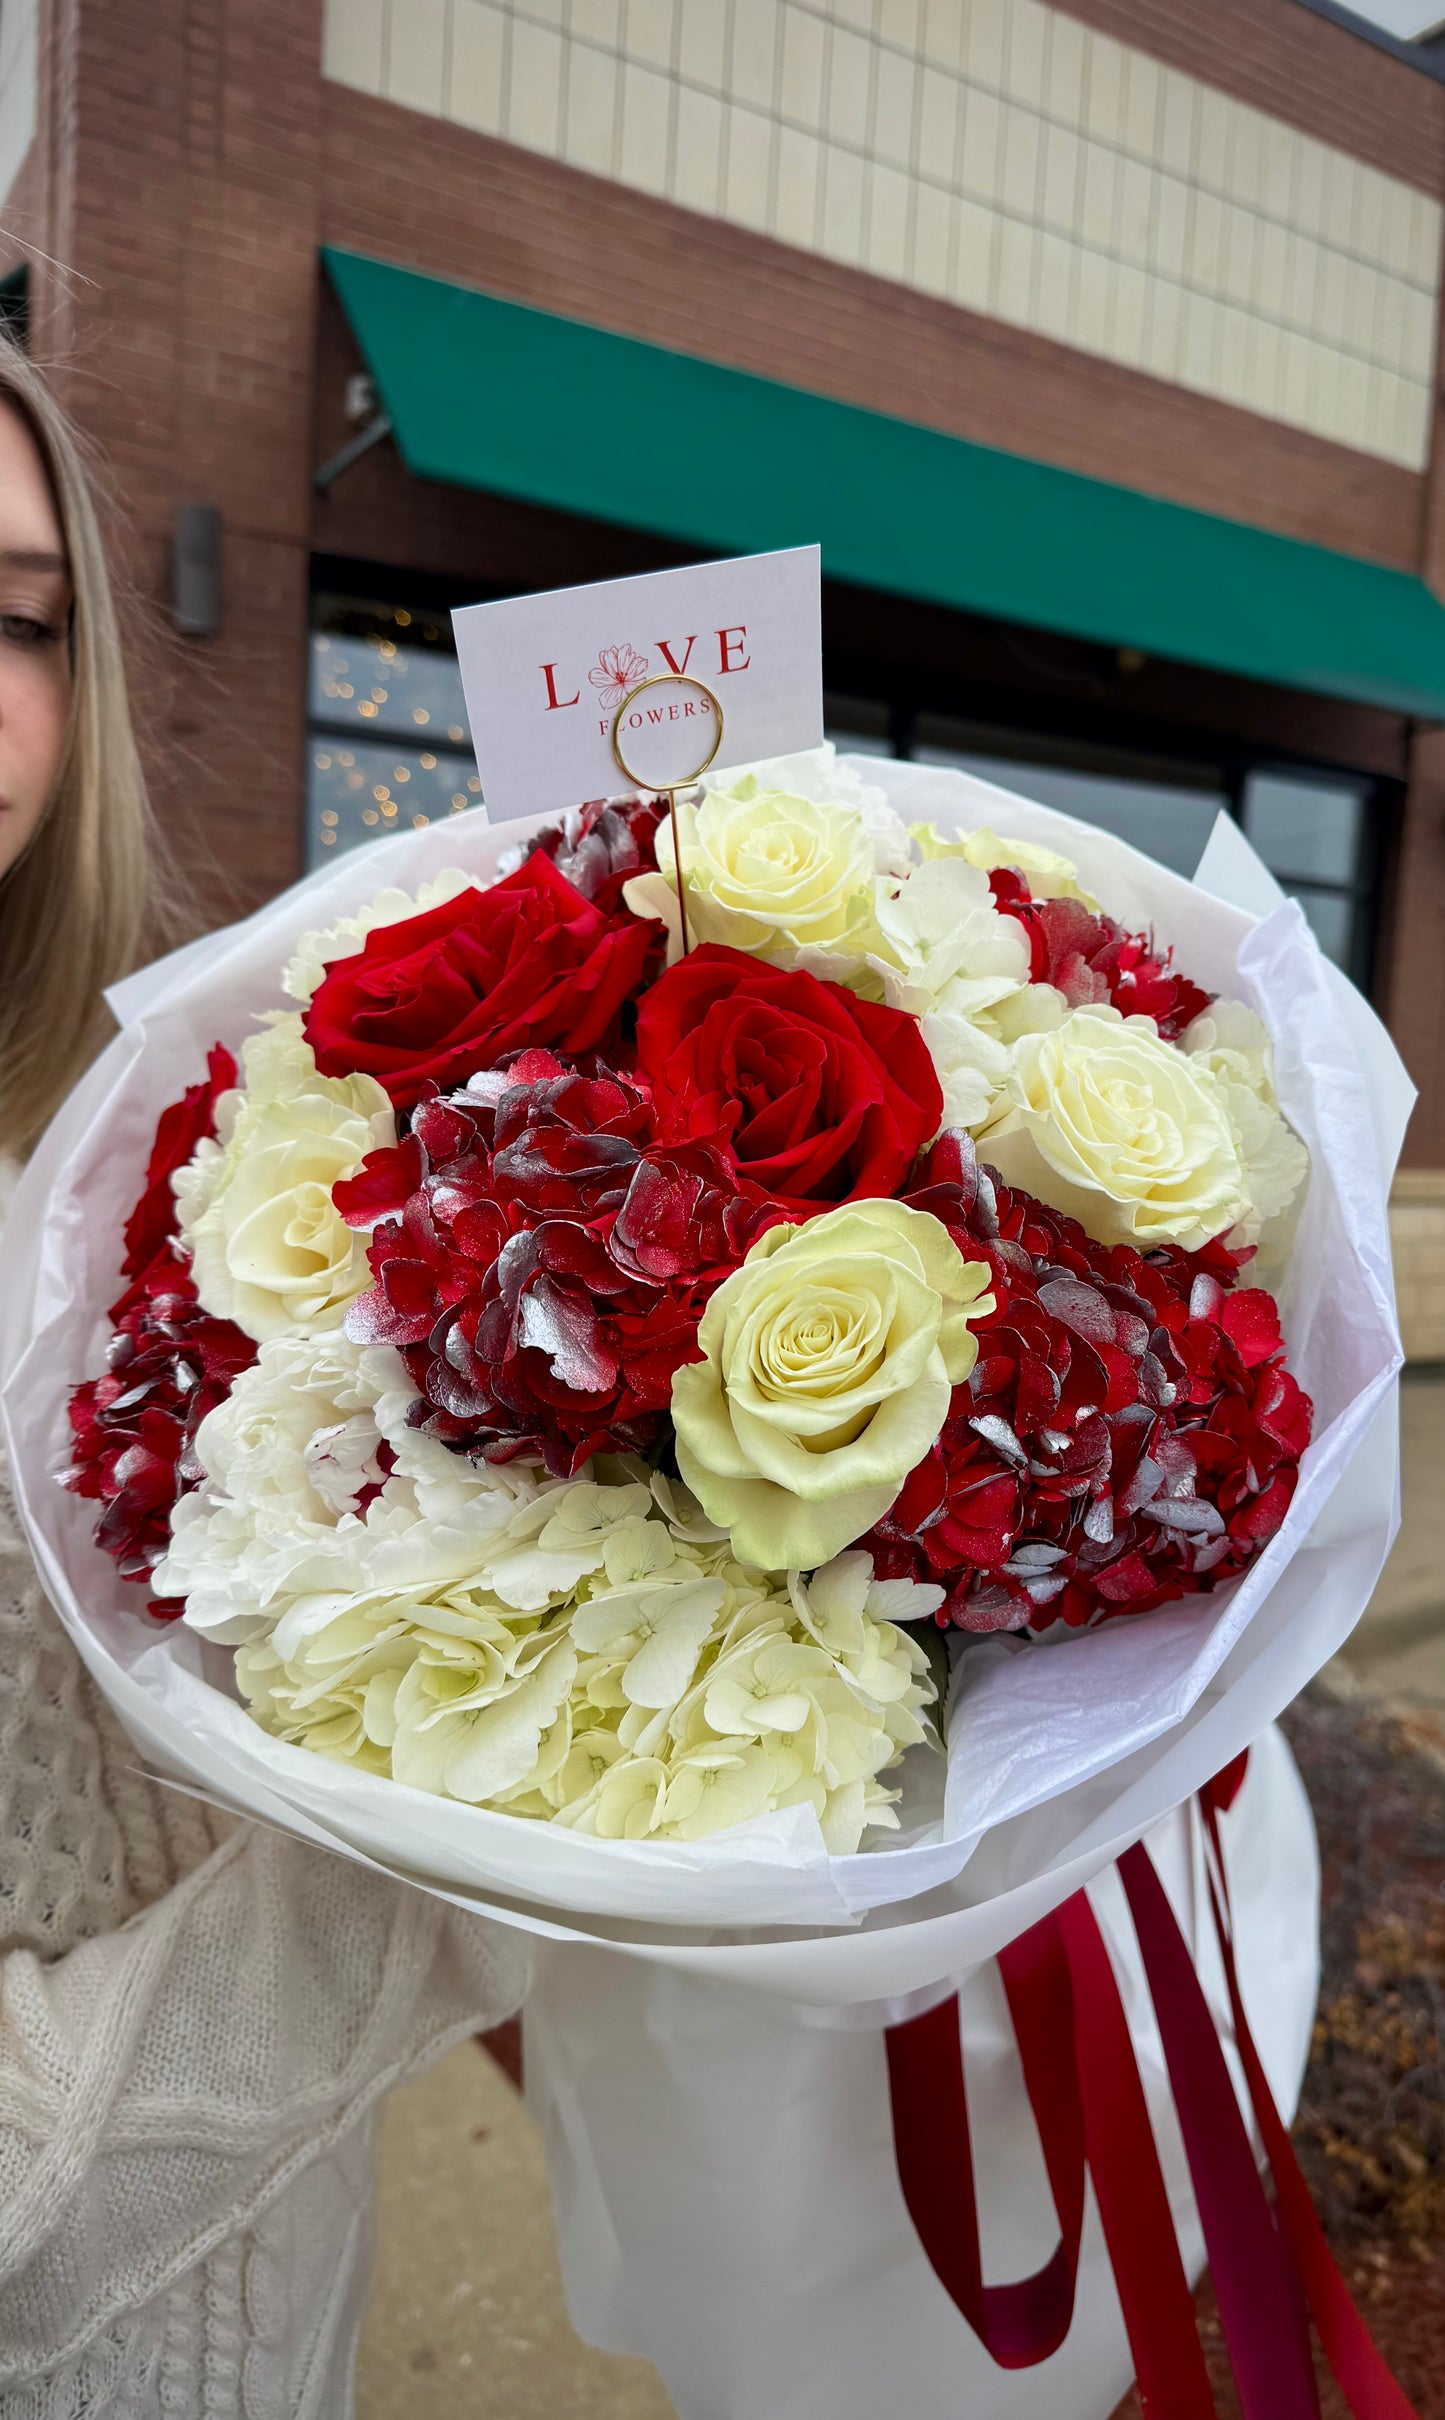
(823, 1097)
(460, 987)
(1129, 1433)
(168, 1362)
(600, 846)
(1091, 959)
(543, 1259)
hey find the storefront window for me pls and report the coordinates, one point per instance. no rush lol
(1310, 832)
(388, 746)
(1313, 830)
(1167, 820)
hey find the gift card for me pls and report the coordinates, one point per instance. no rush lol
(730, 654)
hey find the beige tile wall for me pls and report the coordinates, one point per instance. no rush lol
(994, 152)
(17, 87)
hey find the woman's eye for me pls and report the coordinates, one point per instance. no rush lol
(27, 630)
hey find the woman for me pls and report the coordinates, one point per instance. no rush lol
(198, 2020)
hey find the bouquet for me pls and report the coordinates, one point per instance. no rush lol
(766, 1463)
(570, 1372)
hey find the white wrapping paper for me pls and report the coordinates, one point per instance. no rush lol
(723, 2172)
(757, 1944)
(1058, 1753)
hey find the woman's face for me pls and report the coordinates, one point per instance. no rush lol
(34, 637)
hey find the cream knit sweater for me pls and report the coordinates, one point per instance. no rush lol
(197, 2022)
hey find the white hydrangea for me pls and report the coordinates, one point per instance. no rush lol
(581, 1651)
(317, 1484)
(316, 951)
(945, 954)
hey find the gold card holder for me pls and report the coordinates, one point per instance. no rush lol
(662, 725)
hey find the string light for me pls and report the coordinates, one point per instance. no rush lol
(382, 790)
(380, 696)
(387, 650)
(419, 714)
(328, 840)
(473, 782)
(402, 618)
(400, 773)
(323, 764)
(455, 731)
(420, 822)
(367, 708)
(355, 781)
(329, 816)
(369, 815)
(388, 809)
(345, 757)
(429, 763)
(459, 800)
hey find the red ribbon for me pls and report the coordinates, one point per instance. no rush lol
(1272, 2270)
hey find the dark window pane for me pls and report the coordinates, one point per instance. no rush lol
(1167, 823)
(858, 726)
(1332, 918)
(1305, 827)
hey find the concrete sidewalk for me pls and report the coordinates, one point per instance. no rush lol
(1398, 1650)
(467, 2320)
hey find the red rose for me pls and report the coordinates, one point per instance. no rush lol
(443, 994)
(825, 1097)
(152, 1222)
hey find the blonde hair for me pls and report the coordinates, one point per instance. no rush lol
(73, 907)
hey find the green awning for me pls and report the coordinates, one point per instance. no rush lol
(491, 394)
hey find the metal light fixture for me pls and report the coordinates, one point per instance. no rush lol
(196, 571)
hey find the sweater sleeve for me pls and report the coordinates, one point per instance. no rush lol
(161, 2084)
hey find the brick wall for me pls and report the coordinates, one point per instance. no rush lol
(531, 229)
(1285, 60)
(179, 179)
(189, 160)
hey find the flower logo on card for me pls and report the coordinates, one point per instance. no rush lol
(617, 670)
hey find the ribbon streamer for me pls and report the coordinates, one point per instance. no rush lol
(1273, 2270)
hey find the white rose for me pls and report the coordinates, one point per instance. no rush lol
(269, 1248)
(1119, 1130)
(828, 1362)
(781, 863)
(1233, 1043)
